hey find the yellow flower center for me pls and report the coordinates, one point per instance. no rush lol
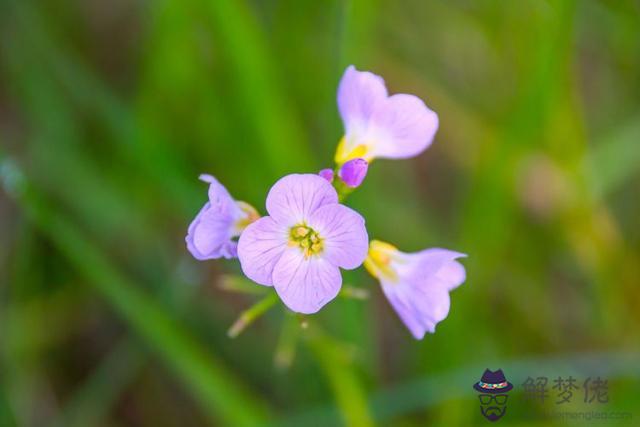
(251, 214)
(306, 238)
(379, 258)
(345, 153)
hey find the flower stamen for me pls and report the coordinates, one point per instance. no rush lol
(250, 214)
(378, 261)
(346, 152)
(307, 239)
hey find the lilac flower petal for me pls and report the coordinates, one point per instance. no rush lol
(452, 275)
(260, 247)
(229, 250)
(419, 308)
(209, 235)
(440, 262)
(431, 303)
(419, 287)
(353, 172)
(345, 239)
(303, 269)
(358, 93)
(219, 196)
(327, 174)
(292, 199)
(305, 284)
(402, 126)
(405, 312)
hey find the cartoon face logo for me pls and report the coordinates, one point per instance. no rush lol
(493, 388)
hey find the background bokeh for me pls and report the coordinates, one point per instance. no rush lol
(109, 110)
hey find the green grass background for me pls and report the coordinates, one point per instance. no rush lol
(110, 110)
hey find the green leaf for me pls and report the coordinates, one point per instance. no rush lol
(216, 389)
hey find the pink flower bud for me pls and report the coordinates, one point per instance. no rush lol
(326, 174)
(352, 173)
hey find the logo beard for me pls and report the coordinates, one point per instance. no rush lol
(493, 413)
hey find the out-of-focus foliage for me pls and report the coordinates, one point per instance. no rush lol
(110, 110)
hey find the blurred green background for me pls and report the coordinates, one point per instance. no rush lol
(110, 110)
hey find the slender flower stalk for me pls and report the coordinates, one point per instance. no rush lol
(286, 348)
(248, 316)
(354, 293)
(240, 284)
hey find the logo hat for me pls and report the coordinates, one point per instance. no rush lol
(493, 382)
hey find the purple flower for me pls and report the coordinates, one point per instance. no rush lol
(353, 172)
(418, 284)
(378, 125)
(219, 221)
(300, 246)
(327, 174)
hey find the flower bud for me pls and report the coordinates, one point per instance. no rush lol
(352, 173)
(326, 174)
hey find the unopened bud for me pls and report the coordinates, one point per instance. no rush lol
(326, 174)
(353, 172)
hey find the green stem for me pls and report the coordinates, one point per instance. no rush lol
(234, 283)
(342, 189)
(335, 361)
(352, 292)
(251, 314)
(286, 348)
(7, 417)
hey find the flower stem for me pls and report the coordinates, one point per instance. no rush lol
(337, 364)
(248, 316)
(286, 348)
(342, 189)
(352, 292)
(234, 283)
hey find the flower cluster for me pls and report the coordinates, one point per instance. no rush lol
(308, 235)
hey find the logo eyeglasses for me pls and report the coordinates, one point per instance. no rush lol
(499, 399)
